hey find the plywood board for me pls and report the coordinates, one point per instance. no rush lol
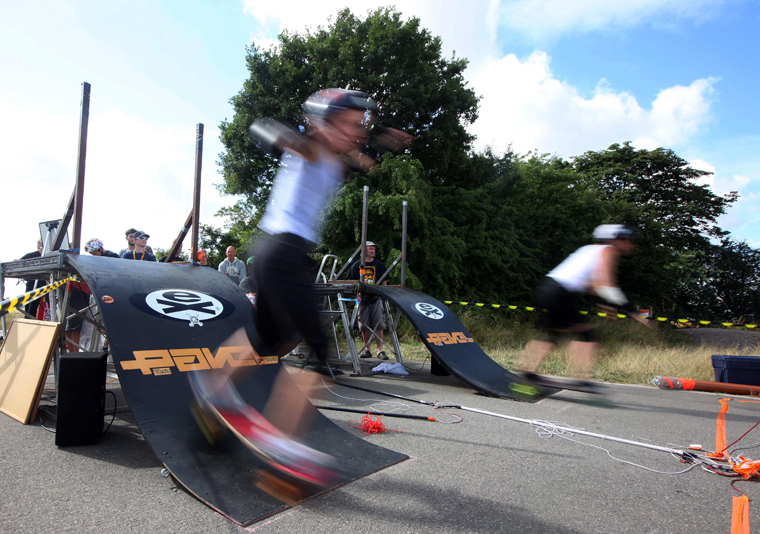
(24, 361)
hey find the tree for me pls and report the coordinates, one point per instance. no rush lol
(396, 62)
(657, 192)
(730, 288)
(663, 186)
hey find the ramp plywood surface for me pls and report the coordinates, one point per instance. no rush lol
(450, 343)
(24, 361)
(165, 321)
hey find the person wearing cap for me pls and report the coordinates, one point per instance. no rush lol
(129, 235)
(371, 312)
(95, 247)
(231, 266)
(589, 270)
(139, 253)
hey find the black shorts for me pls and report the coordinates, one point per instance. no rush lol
(561, 306)
(286, 303)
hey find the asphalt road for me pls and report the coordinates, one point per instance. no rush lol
(482, 475)
(725, 338)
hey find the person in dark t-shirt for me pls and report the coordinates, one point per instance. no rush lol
(96, 248)
(371, 314)
(139, 253)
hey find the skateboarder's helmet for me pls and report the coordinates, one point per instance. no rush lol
(607, 232)
(327, 102)
(93, 244)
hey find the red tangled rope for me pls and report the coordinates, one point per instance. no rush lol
(370, 425)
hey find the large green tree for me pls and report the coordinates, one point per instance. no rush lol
(658, 192)
(397, 62)
(482, 226)
(730, 288)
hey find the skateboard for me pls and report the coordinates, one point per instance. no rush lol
(289, 466)
(533, 384)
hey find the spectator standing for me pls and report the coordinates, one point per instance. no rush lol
(130, 237)
(371, 313)
(140, 252)
(95, 247)
(232, 266)
(201, 258)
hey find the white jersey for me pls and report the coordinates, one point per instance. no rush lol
(300, 194)
(576, 272)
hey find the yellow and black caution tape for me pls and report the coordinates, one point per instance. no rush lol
(678, 322)
(9, 305)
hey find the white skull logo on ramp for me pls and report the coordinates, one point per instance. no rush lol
(429, 311)
(185, 305)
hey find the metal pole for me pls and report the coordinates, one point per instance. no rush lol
(403, 243)
(180, 238)
(384, 414)
(83, 122)
(65, 220)
(197, 188)
(348, 263)
(364, 231)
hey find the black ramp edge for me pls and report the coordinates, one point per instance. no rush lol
(182, 313)
(449, 341)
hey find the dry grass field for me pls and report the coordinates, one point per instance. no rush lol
(629, 352)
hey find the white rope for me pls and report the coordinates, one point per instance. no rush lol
(547, 429)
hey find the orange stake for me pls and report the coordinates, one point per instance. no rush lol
(740, 515)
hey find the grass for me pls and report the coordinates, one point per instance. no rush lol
(629, 353)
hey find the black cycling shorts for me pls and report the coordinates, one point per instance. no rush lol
(561, 305)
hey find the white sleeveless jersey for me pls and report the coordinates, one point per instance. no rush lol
(300, 194)
(576, 272)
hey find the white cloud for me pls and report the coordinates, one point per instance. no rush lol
(264, 43)
(523, 104)
(469, 28)
(540, 21)
(702, 165)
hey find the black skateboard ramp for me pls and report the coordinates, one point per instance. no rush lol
(450, 343)
(164, 320)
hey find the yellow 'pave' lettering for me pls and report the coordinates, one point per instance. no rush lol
(225, 354)
(145, 360)
(158, 362)
(189, 359)
(445, 338)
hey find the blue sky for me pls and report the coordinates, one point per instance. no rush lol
(559, 76)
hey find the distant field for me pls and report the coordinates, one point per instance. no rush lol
(629, 354)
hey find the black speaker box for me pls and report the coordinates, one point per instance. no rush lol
(81, 398)
(436, 369)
